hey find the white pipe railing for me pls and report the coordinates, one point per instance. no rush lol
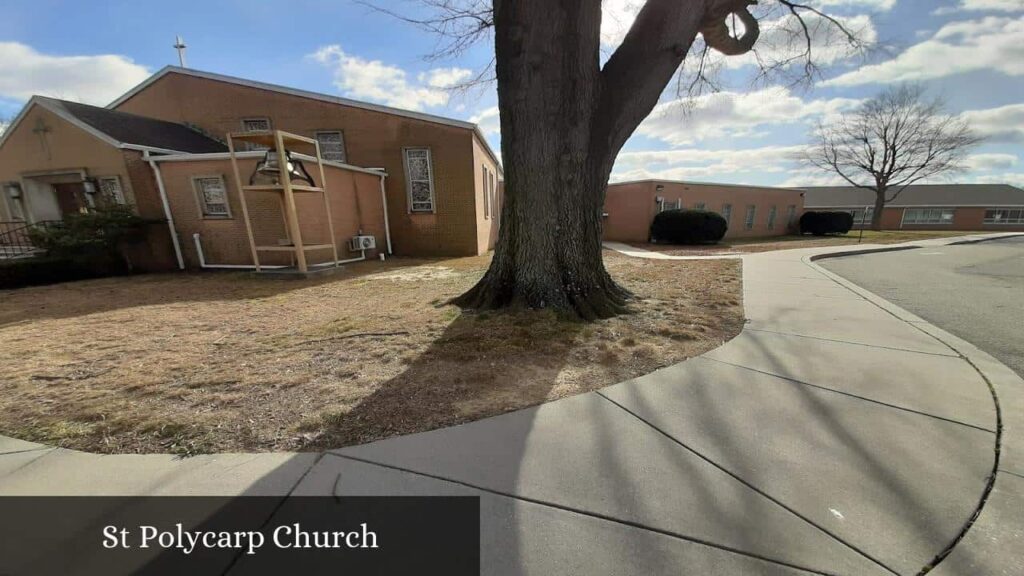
(203, 264)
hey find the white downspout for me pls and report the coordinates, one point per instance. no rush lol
(167, 207)
(384, 202)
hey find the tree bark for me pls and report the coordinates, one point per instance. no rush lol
(563, 122)
(876, 216)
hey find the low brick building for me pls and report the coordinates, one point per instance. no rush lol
(974, 207)
(751, 211)
(421, 184)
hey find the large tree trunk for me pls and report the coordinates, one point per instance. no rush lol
(876, 217)
(563, 121)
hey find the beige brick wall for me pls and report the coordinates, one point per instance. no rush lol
(487, 221)
(631, 207)
(355, 206)
(372, 139)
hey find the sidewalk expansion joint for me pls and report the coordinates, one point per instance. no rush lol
(853, 343)
(990, 483)
(739, 479)
(850, 395)
(2, 454)
(590, 514)
(273, 512)
(46, 452)
(1017, 474)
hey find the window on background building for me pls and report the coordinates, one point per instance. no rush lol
(419, 175)
(332, 145)
(1004, 216)
(486, 187)
(751, 213)
(772, 212)
(15, 199)
(255, 125)
(862, 216)
(790, 215)
(493, 192)
(727, 212)
(699, 206)
(110, 189)
(212, 196)
(928, 215)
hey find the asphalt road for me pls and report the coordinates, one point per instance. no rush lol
(975, 291)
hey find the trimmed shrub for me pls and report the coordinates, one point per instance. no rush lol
(95, 236)
(822, 223)
(688, 227)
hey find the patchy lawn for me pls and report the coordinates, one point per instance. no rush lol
(748, 245)
(192, 363)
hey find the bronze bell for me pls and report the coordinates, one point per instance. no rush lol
(268, 172)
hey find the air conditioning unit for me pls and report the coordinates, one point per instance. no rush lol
(359, 243)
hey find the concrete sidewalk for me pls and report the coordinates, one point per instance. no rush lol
(836, 434)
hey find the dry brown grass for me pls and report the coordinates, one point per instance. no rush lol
(750, 245)
(192, 363)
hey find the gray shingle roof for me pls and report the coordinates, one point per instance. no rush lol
(140, 130)
(988, 195)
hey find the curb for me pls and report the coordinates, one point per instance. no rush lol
(1005, 385)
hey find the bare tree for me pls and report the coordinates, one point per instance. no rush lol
(890, 142)
(564, 118)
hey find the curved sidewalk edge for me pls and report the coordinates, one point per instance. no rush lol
(993, 540)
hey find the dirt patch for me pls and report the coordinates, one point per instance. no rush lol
(752, 245)
(192, 363)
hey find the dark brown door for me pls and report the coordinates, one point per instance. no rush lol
(70, 197)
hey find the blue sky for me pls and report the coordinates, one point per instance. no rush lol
(970, 52)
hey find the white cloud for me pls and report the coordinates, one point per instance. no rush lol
(1003, 124)
(982, 6)
(873, 5)
(990, 161)
(1011, 178)
(722, 165)
(379, 82)
(992, 43)
(616, 18)
(735, 114)
(488, 120)
(90, 79)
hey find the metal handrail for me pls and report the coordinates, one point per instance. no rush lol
(15, 241)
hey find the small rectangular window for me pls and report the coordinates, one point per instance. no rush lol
(255, 125)
(419, 174)
(772, 213)
(790, 214)
(727, 212)
(699, 206)
(110, 190)
(486, 188)
(751, 214)
(332, 145)
(212, 196)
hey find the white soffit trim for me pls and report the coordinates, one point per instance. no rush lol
(304, 94)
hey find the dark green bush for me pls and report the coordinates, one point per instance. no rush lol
(688, 227)
(50, 270)
(822, 223)
(97, 234)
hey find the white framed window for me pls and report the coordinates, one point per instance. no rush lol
(15, 200)
(419, 179)
(493, 190)
(928, 215)
(790, 214)
(332, 145)
(727, 212)
(862, 216)
(212, 195)
(486, 187)
(751, 214)
(772, 213)
(666, 205)
(256, 125)
(110, 189)
(1004, 216)
(699, 206)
